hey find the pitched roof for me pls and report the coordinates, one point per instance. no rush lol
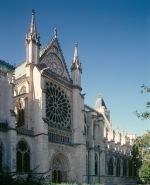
(4, 66)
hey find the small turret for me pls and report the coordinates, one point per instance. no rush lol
(32, 42)
(76, 69)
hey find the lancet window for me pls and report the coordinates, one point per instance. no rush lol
(22, 90)
(20, 113)
(130, 168)
(124, 167)
(118, 168)
(23, 157)
(1, 157)
(96, 164)
(110, 167)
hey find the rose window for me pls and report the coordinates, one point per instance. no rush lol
(58, 110)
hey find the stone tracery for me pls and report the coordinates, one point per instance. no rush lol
(58, 109)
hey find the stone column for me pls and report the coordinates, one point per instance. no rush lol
(114, 165)
(127, 168)
(91, 165)
(121, 167)
(41, 130)
(11, 133)
(11, 150)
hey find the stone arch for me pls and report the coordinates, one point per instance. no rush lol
(96, 164)
(1, 156)
(124, 167)
(130, 168)
(20, 112)
(110, 166)
(60, 168)
(23, 156)
(15, 91)
(22, 90)
(118, 167)
(87, 163)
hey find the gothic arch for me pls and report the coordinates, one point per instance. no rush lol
(20, 112)
(60, 168)
(1, 156)
(87, 163)
(96, 164)
(130, 168)
(111, 166)
(22, 90)
(23, 156)
(118, 167)
(124, 167)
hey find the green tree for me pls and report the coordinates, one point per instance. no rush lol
(141, 156)
(145, 114)
(141, 147)
(144, 172)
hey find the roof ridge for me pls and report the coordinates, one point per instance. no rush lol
(8, 65)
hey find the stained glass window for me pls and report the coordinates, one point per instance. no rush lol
(58, 109)
(118, 168)
(1, 157)
(23, 157)
(96, 164)
(110, 167)
(124, 167)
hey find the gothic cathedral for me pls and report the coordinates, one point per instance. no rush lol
(46, 127)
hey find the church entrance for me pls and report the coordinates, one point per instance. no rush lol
(60, 169)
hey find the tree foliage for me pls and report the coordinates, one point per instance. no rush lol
(144, 172)
(145, 114)
(141, 156)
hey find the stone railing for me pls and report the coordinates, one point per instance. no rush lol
(24, 131)
(3, 126)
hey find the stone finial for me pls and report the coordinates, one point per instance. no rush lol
(98, 103)
(33, 25)
(33, 34)
(55, 32)
(76, 63)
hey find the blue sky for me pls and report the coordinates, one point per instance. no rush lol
(114, 47)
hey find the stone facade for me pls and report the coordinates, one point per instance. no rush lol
(45, 125)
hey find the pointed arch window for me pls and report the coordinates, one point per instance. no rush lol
(110, 167)
(22, 90)
(87, 164)
(130, 168)
(1, 157)
(20, 115)
(124, 167)
(106, 133)
(23, 157)
(118, 168)
(96, 164)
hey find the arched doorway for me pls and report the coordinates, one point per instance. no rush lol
(60, 168)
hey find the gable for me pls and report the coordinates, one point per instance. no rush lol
(53, 58)
(6, 67)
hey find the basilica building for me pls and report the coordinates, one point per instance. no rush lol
(46, 127)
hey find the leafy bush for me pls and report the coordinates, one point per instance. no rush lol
(144, 172)
(8, 179)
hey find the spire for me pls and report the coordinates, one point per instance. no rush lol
(55, 32)
(98, 102)
(33, 34)
(32, 42)
(76, 64)
(33, 25)
(76, 53)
